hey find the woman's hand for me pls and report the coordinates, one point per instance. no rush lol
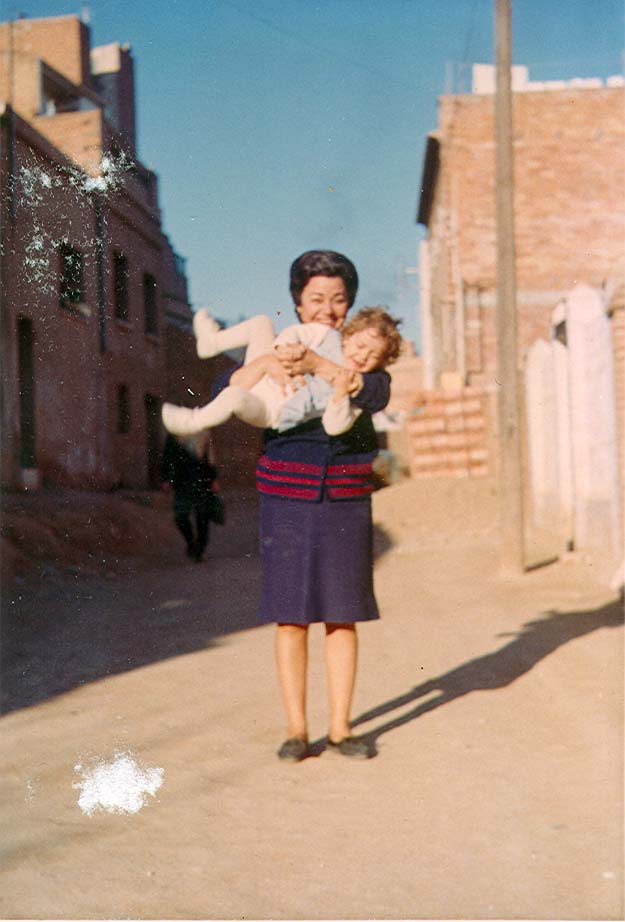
(296, 359)
(249, 375)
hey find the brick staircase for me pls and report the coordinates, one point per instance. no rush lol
(448, 433)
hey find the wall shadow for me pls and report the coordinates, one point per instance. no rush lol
(62, 627)
(535, 641)
(72, 629)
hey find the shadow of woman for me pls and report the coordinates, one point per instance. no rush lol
(536, 640)
(382, 541)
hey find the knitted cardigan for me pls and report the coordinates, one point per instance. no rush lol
(304, 462)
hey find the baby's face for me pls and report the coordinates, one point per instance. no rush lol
(364, 351)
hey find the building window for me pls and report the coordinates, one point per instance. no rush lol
(120, 285)
(149, 303)
(72, 276)
(123, 409)
(153, 439)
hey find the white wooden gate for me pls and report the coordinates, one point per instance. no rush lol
(549, 449)
(593, 421)
(571, 430)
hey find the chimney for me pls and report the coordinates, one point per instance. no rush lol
(112, 71)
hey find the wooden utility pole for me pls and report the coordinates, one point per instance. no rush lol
(509, 442)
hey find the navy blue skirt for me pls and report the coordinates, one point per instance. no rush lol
(317, 561)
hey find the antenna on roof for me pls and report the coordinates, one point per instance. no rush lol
(85, 14)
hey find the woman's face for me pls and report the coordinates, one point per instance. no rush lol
(324, 300)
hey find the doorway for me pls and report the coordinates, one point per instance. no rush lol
(26, 385)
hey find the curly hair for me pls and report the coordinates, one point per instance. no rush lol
(322, 262)
(385, 326)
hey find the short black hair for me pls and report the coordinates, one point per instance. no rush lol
(322, 262)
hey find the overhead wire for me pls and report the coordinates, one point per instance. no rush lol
(313, 44)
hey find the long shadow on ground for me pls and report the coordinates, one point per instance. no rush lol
(536, 640)
(88, 628)
(63, 628)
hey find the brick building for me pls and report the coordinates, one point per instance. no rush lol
(569, 199)
(96, 324)
(569, 146)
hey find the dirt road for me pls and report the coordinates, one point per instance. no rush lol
(495, 705)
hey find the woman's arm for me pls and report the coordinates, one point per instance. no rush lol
(248, 375)
(297, 360)
(375, 392)
(370, 391)
(340, 414)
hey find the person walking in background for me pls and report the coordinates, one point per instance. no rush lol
(188, 471)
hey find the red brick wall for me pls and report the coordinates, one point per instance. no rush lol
(134, 358)
(618, 343)
(79, 135)
(68, 374)
(76, 385)
(62, 41)
(448, 434)
(82, 357)
(406, 379)
(569, 151)
(23, 87)
(569, 171)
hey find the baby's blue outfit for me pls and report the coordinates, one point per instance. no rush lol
(310, 400)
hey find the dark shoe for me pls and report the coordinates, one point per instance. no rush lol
(191, 552)
(354, 747)
(198, 555)
(293, 750)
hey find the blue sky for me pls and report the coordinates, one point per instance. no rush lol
(277, 126)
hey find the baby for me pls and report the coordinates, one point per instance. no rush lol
(368, 342)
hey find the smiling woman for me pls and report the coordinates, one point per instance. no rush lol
(323, 300)
(315, 519)
(320, 297)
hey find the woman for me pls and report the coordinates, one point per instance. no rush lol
(315, 515)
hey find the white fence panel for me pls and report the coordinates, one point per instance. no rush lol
(541, 426)
(549, 448)
(560, 357)
(593, 418)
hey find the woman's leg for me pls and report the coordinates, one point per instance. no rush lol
(292, 661)
(341, 661)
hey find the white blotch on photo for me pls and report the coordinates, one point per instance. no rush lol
(121, 785)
